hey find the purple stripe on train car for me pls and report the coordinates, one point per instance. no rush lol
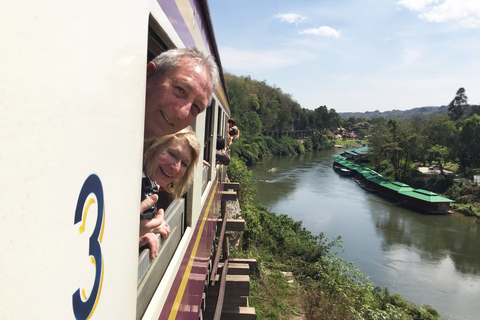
(199, 10)
(176, 19)
(192, 296)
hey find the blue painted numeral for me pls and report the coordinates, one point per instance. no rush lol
(83, 306)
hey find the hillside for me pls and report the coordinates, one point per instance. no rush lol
(422, 113)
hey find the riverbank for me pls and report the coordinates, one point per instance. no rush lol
(325, 287)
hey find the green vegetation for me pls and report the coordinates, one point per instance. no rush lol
(447, 141)
(325, 286)
(467, 198)
(261, 109)
(345, 143)
(447, 137)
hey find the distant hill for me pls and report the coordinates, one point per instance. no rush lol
(422, 113)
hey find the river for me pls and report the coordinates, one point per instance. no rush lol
(428, 259)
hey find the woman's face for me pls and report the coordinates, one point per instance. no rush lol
(171, 161)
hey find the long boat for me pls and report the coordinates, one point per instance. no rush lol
(72, 92)
(370, 180)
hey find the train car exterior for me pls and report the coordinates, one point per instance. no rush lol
(72, 91)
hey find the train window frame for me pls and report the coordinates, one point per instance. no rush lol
(179, 212)
(219, 121)
(208, 147)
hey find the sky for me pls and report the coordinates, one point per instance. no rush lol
(354, 55)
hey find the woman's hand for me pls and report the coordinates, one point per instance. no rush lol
(155, 225)
(148, 224)
(153, 243)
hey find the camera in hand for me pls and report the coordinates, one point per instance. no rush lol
(149, 187)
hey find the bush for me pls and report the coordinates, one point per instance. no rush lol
(254, 149)
(237, 172)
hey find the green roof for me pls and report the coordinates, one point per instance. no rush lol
(357, 167)
(425, 195)
(367, 174)
(399, 186)
(364, 170)
(378, 179)
(365, 149)
(347, 164)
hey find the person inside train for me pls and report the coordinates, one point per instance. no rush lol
(179, 86)
(221, 157)
(169, 161)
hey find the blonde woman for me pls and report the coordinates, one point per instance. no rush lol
(170, 162)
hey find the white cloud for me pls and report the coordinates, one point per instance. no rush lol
(416, 5)
(290, 18)
(465, 12)
(322, 31)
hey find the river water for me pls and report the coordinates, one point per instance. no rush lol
(428, 259)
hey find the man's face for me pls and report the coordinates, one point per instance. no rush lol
(174, 100)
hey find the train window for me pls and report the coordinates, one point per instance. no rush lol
(158, 40)
(151, 272)
(208, 150)
(220, 128)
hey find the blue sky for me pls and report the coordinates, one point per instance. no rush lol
(354, 55)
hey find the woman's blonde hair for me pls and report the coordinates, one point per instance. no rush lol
(178, 186)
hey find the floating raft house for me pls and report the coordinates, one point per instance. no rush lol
(420, 199)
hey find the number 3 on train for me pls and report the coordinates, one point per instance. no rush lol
(83, 306)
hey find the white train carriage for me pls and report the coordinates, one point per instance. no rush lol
(72, 98)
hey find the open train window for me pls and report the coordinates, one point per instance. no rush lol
(150, 272)
(222, 120)
(208, 151)
(158, 40)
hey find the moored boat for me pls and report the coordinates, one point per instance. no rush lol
(425, 200)
(402, 193)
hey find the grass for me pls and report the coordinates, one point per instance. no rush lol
(451, 166)
(274, 297)
(350, 142)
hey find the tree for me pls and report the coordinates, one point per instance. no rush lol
(334, 119)
(395, 150)
(250, 124)
(439, 154)
(456, 108)
(469, 154)
(321, 118)
(377, 137)
(284, 119)
(440, 130)
(412, 144)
